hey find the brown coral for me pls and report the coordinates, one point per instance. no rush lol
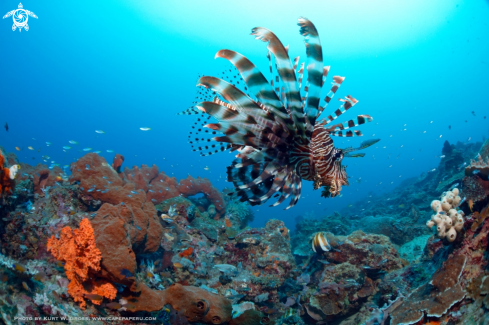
(435, 297)
(197, 304)
(77, 249)
(480, 166)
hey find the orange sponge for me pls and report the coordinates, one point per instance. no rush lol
(81, 256)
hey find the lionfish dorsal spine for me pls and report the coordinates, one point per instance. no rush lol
(314, 54)
(287, 74)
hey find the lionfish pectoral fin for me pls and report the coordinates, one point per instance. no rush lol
(363, 145)
(354, 155)
(368, 143)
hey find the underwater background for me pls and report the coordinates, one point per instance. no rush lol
(122, 65)
(109, 78)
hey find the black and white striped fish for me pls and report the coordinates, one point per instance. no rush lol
(273, 126)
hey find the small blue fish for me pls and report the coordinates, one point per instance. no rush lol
(129, 195)
(453, 186)
(81, 188)
(134, 192)
(90, 190)
(104, 177)
(122, 203)
(138, 228)
(151, 191)
(104, 191)
(126, 273)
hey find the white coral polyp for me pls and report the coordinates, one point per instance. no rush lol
(447, 219)
(13, 171)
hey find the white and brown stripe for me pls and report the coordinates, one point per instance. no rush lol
(320, 243)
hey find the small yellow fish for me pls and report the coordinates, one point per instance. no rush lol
(166, 217)
(93, 296)
(19, 268)
(113, 305)
(401, 205)
(177, 265)
(17, 148)
(471, 204)
(30, 148)
(26, 286)
(39, 276)
(149, 275)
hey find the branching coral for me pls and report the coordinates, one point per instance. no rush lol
(77, 249)
(447, 219)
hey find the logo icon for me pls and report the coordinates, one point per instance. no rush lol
(20, 17)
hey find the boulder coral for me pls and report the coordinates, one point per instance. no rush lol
(77, 250)
(136, 186)
(447, 219)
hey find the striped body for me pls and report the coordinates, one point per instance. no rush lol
(273, 125)
(320, 243)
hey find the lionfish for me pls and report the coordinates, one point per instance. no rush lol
(275, 130)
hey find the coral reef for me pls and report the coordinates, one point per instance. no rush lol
(136, 242)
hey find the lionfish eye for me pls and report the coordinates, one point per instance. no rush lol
(338, 154)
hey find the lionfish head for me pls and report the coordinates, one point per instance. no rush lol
(335, 178)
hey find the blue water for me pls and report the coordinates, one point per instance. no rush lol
(118, 66)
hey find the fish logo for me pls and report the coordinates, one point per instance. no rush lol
(20, 17)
